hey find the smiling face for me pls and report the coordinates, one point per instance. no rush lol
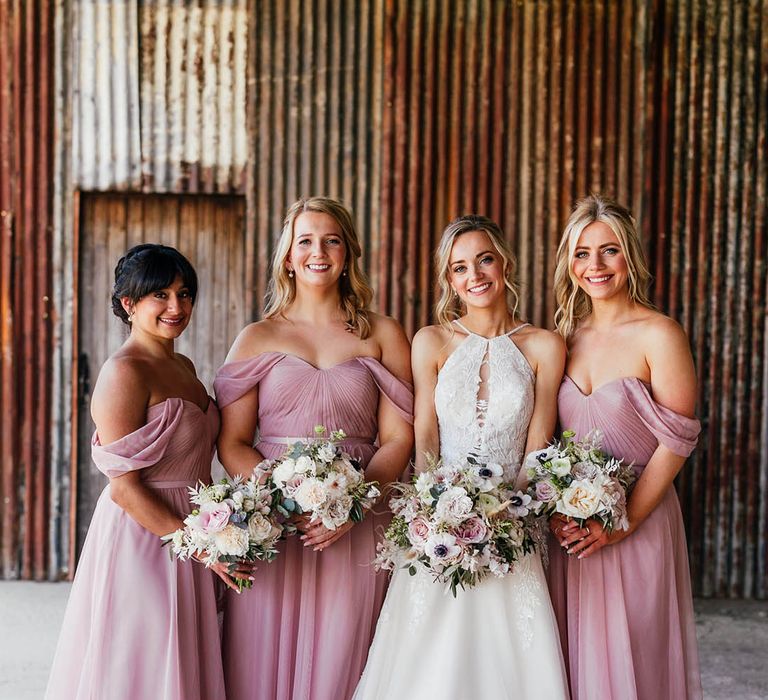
(598, 262)
(318, 252)
(163, 313)
(476, 270)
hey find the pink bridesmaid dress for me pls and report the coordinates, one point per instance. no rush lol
(140, 624)
(626, 613)
(303, 631)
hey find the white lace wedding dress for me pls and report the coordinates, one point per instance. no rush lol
(498, 640)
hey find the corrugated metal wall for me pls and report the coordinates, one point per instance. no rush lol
(159, 96)
(26, 84)
(705, 216)
(414, 111)
(515, 109)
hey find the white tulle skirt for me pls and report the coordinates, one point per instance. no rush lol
(498, 640)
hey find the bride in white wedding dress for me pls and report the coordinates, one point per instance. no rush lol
(484, 384)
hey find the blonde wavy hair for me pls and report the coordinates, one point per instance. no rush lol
(355, 291)
(449, 305)
(573, 303)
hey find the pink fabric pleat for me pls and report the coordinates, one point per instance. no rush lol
(626, 614)
(138, 623)
(303, 631)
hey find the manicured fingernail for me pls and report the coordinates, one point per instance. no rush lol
(251, 578)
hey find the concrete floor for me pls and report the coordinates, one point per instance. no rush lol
(733, 642)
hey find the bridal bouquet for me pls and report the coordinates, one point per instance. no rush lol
(234, 521)
(580, 481)
(459, 522)
(317, 478)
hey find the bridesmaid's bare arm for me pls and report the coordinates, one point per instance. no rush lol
(425, 354)
(119, 407)
(240, 418)
(395, 433)
(548, 363)
(673, 385)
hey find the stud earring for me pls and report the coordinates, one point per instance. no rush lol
(344, 272)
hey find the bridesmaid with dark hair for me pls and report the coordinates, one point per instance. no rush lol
(623, 598)
(140, 624)
(319, 357)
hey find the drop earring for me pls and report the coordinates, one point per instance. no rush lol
(290, 273)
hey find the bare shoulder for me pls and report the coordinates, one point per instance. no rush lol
(665, 343)
(123, 379)
(255, 338)
(431, 339)
(385, 329)
(186, 362)
(545, 343)
(658, 327)
(394, 345)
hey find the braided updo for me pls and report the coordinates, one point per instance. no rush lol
(147, 268)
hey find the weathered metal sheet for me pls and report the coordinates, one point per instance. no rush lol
(516, 109)
(25, 209)
(160, 95)
(412, 112)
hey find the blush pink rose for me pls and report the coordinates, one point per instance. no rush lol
(471, 531)
(418, 531)
(546, 491)
(214, 516)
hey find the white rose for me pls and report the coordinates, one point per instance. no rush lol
(305, 464)
(259, 528)
(232, 540)
(560, 466)
(284, 471)
(580, 500)
(310, 495)
(336, 513)
(453, 506)
(326, 452)
(237, 500)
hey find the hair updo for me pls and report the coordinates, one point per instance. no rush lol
(147, 268)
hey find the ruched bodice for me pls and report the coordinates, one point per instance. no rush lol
(500, 436)
(295, 396)
(632, 423)
(176, 444)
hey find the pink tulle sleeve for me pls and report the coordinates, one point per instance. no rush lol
(236, 379)
(676, 432)
(398, 392)
(141, 448)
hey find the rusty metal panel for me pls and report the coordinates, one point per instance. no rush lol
(25, 207)
(160, 95)
(514, 110)
(314, 118)
(660, 105)
(708, 240)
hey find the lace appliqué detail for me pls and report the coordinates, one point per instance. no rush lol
(528, 598)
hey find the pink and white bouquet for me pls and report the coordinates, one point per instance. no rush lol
(458, 522)
(580, 481)
(315, 477)
(234, 522)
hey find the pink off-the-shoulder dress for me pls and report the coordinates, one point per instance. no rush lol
(138, 623)
(626, 613)
(303, 631)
